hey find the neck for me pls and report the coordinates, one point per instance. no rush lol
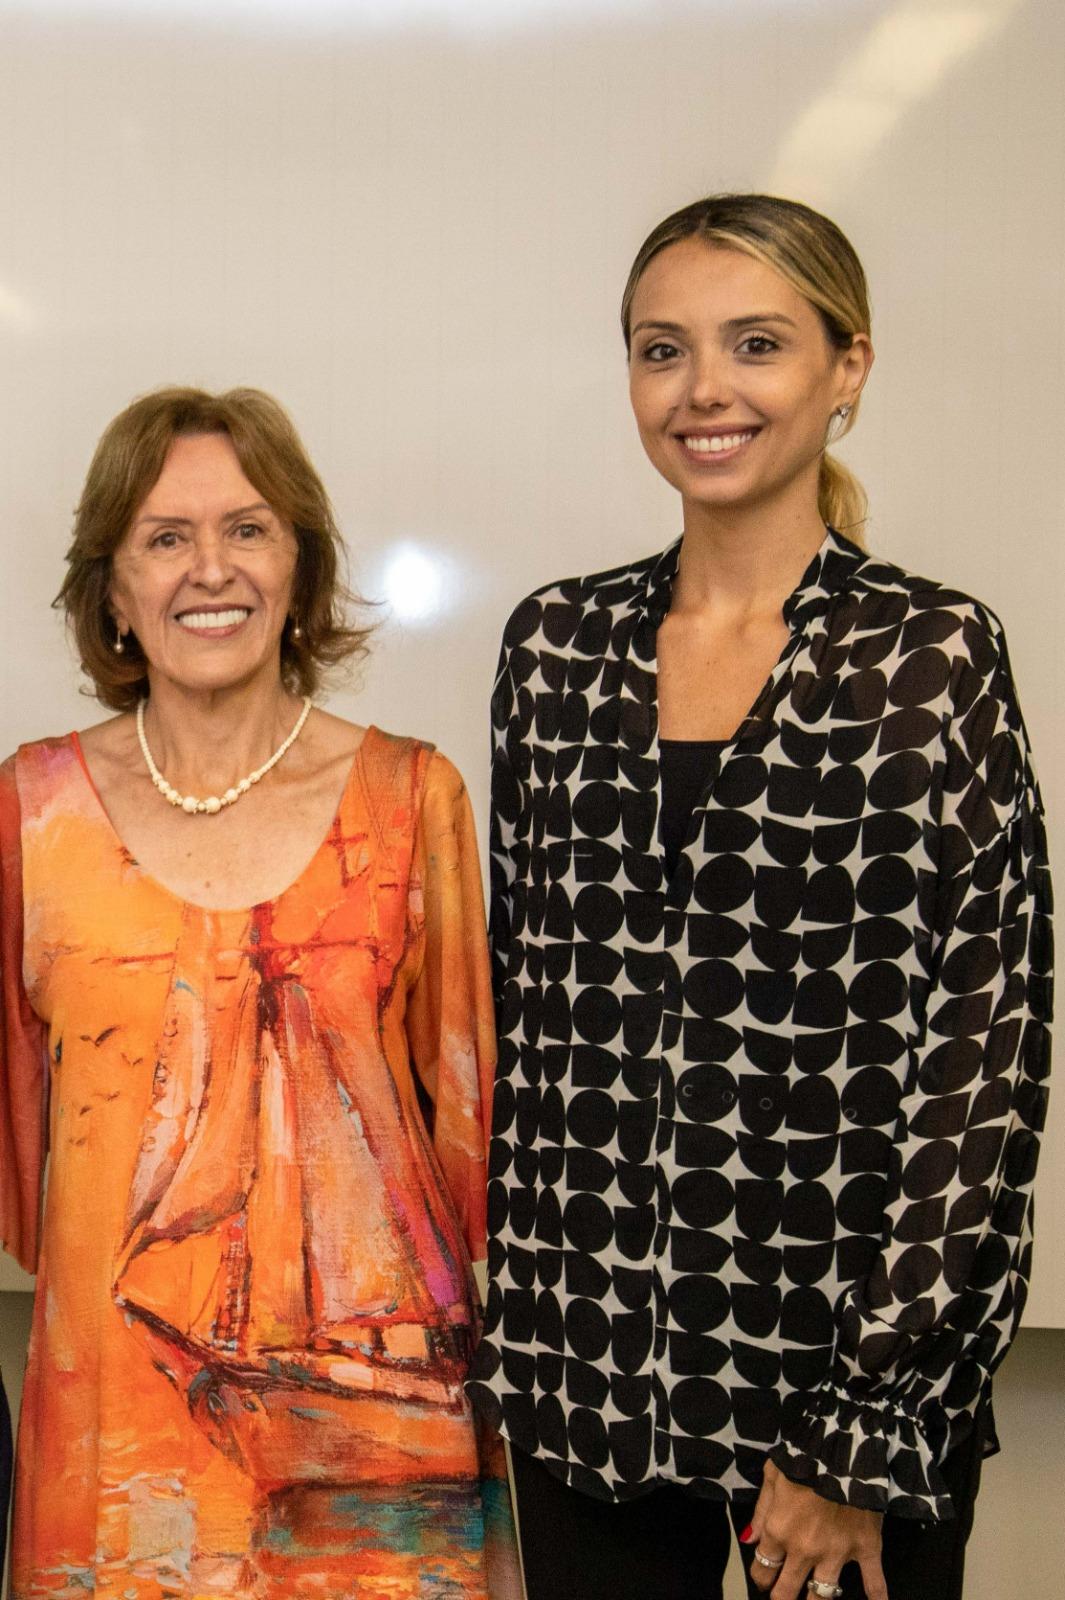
(203, 741)
(744, 563)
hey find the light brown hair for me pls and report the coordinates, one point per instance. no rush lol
(817, 259)
(126, 465)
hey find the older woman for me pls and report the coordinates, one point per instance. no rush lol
(770, 919)
(246, 1010)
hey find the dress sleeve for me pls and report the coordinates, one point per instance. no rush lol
(917, 1339)
(450, 1027)
(23, 1053)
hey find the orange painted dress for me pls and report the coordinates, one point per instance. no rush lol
(266, 1141)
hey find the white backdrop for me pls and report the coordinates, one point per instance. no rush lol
(412, 221)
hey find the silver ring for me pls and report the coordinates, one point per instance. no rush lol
(764, 1561)
(823, 1590)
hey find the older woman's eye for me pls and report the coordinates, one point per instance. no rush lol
(165, 539)
(247, 532)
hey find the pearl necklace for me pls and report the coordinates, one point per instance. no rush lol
(214, 802)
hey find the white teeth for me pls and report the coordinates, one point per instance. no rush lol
(720, 441)
(214, 619)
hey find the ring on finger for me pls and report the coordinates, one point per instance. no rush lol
(823, 1589)
(766, 1561)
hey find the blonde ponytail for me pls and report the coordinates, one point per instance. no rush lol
(841, 500)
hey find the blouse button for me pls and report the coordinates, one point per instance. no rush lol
(704, 1091)
(766, 1103)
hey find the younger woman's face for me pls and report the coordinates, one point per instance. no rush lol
(734, 381)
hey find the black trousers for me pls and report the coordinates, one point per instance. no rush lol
(5, 1474)
(670, 1545)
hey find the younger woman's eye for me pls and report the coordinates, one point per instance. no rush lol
(659, 351)
(758, 344)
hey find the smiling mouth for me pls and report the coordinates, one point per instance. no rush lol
(716, 444)
(198, 621)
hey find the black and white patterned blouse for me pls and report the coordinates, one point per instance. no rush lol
(764, 1135)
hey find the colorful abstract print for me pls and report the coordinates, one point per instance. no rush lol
(254, 1310)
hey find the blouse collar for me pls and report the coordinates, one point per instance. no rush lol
(829, 572)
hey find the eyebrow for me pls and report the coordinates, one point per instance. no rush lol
(731, 325)
(186, 522)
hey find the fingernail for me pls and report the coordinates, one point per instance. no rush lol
(746, 1534)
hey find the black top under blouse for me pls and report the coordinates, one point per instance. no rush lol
(684, 767)
(764, 1133)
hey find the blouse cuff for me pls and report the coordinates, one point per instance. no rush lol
(866, 1453)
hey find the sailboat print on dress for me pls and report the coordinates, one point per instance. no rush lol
(254, 1296)
(286, 1257)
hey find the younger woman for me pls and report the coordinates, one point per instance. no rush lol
(770, 937)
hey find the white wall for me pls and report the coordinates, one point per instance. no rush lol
(411, 220)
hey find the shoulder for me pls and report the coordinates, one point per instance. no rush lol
(933, 612)
(41, 761)
(114, 732)
(32, 778)
(443, 815)
(944, 645)
(413, 791)
(331, 738)
(444, 796)
(442, 773)
(937, 638)
(401, 761)
(555, 611)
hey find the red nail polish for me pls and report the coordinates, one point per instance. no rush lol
(746, 1534)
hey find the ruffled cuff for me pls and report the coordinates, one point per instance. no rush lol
(866, 1453)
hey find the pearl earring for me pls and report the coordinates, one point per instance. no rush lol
(843, 412)
(119, 646)
(297, 631)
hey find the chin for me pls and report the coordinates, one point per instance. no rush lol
(723, 496)
(220, 677)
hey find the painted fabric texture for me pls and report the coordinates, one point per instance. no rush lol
(266, 1138)
(765, 1131)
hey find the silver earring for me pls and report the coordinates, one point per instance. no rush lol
(843, 412)
(119, 646)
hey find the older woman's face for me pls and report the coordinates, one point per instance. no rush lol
(204, 576)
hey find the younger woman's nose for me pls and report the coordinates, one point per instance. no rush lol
(710, 382)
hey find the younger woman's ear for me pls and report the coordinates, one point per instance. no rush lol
(855, 364)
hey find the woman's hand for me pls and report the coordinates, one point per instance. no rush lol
(816, 1537)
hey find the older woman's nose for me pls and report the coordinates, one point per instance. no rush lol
(212, 562)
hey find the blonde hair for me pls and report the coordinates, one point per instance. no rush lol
(817, 259)
(126, 465)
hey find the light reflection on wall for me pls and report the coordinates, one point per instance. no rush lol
(474, 16)
(417, 584)
(15, 312)
(902, 59)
